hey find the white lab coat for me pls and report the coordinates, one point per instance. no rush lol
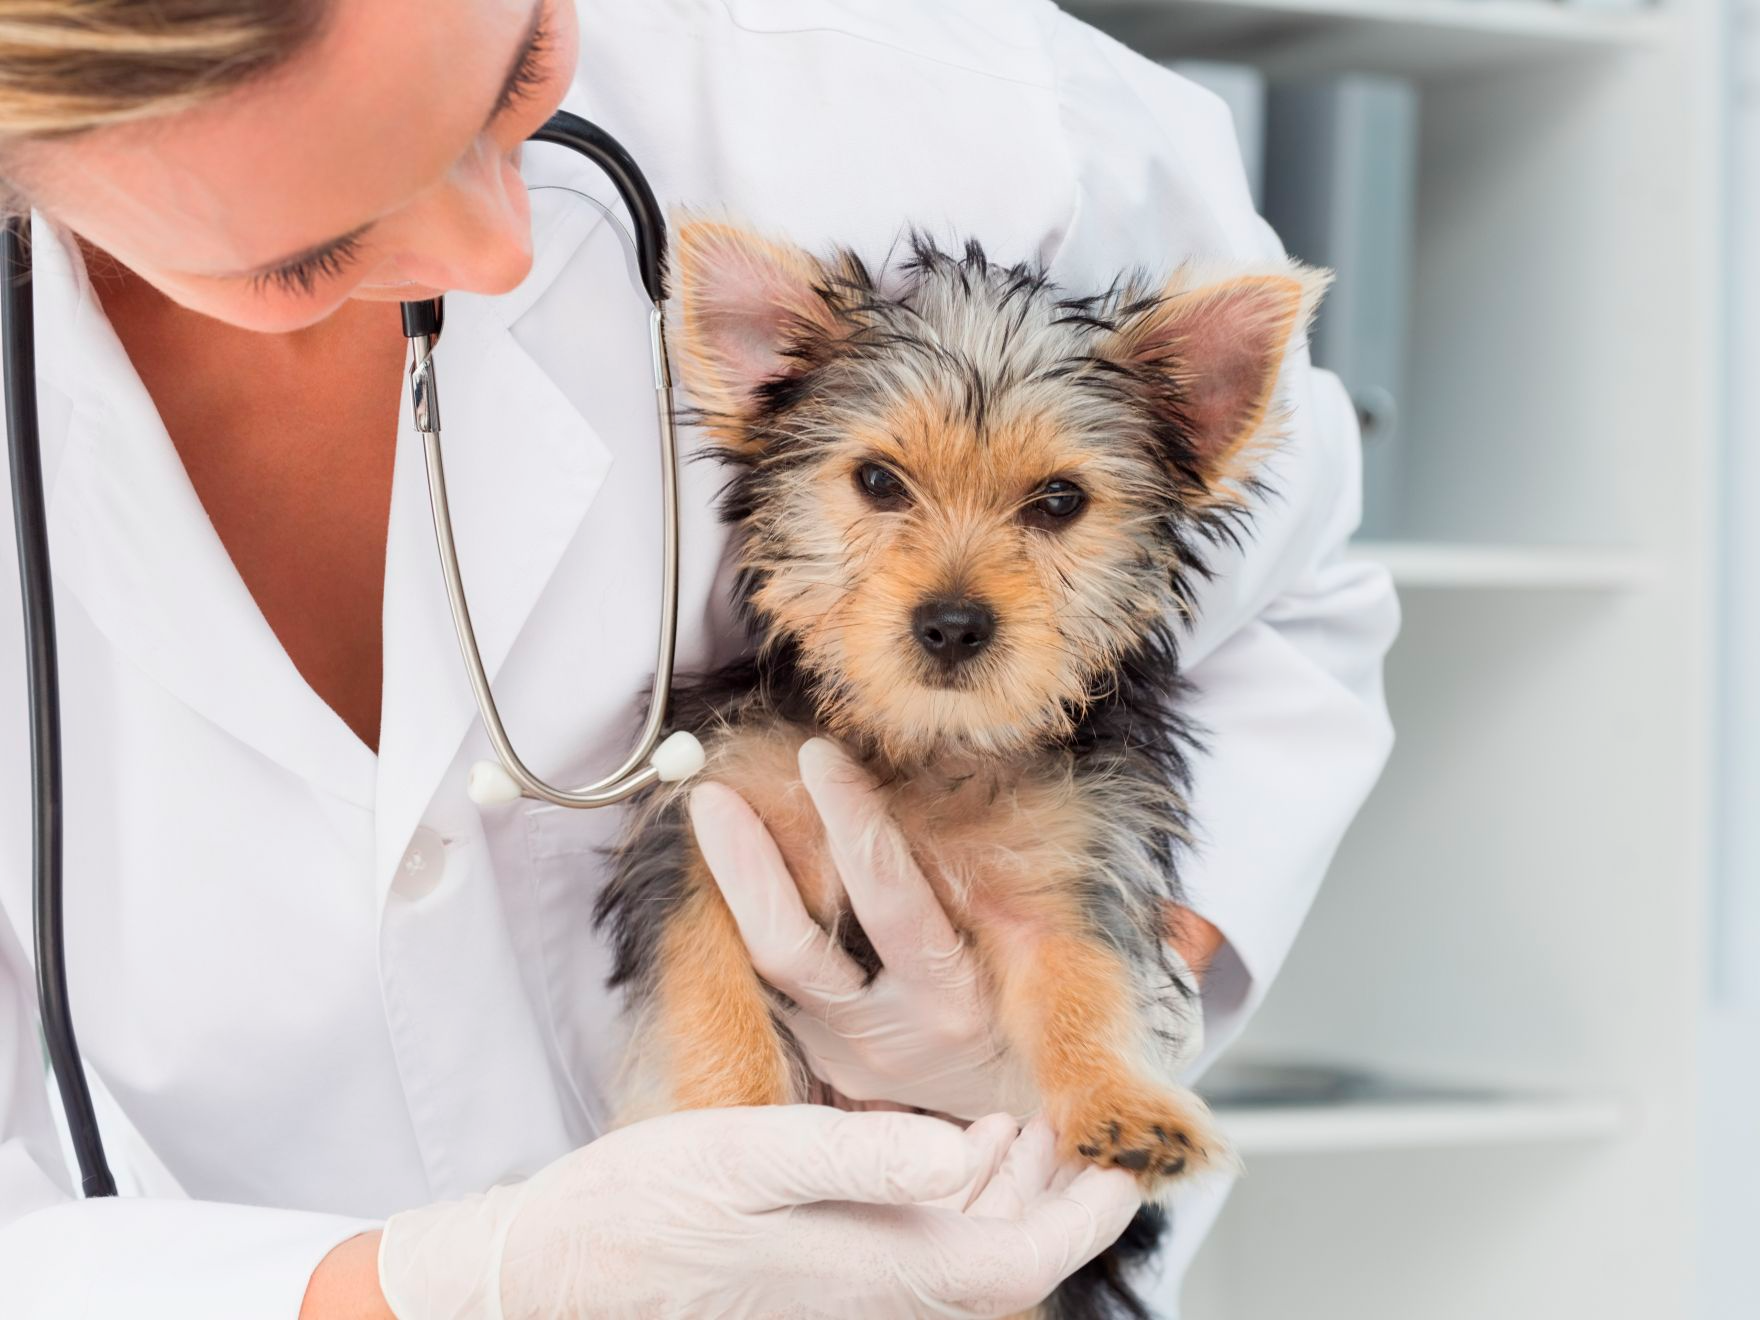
(314, 985)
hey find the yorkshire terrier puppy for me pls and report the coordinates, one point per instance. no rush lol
(966, 508)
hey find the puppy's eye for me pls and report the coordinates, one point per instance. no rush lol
(880, 484)
(1054, 502)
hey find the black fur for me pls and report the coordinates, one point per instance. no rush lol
(1130, 724)
(880, 324)
(1101, 1289)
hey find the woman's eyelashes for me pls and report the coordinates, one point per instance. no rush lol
(530, 73)
(302, 276)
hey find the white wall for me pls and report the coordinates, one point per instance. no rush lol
(1730, 1140)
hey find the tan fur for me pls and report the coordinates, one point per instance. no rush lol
(1052, 859)
(1238, 323)
(1001, 855)
(724, 346)
(972, 547)
(713, 1013)
(1063, 998)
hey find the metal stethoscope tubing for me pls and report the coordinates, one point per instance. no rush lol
(650, 760)
(675, 758)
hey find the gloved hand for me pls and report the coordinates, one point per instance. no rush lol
(920, 1033)
(798, 1210)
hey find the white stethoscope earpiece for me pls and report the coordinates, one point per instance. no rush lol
(678, 758)
(491, 786)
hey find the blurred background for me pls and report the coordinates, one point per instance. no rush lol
(1513, 1066)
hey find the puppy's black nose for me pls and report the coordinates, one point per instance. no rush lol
(953, 631)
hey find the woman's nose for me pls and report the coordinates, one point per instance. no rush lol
(474, 233)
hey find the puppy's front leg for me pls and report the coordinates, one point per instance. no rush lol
(718, 1041)
(1068, 1005)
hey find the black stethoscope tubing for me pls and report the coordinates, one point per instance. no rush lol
(18, 357)
(18, 346)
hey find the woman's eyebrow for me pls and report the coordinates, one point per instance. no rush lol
(318, 250)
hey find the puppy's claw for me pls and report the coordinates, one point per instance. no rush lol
(1154, 1132)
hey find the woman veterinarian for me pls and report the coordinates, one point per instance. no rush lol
(327, 1003)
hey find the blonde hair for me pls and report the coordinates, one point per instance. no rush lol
(68, 66)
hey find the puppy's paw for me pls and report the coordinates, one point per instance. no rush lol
(1157, 1133)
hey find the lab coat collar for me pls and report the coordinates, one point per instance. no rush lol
(569, 199)
(522, 467)
(135, 549)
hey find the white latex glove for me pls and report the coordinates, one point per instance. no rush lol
(920, 1033)
(794, 1211)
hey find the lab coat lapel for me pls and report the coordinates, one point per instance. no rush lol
(135, 549)
(522, 467)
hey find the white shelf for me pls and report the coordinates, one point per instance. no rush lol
(1417, 1124)
(1420, 564)
(1414, 37)
(1565, 402)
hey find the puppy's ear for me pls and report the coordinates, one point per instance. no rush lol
(1220, 344)
(748, 305)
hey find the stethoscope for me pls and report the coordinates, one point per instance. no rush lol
(503, 780)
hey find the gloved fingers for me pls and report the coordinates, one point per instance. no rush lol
(995, 1136)
(1012, 1264)
(830, 1057)
(790, 950)
(898, 910)
(1066, 1173)
(792, 1155)
(441, 1260)
(1072, 1226)
(1025, 1173)
(922, 1074)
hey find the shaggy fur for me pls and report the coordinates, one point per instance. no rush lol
(955, 434)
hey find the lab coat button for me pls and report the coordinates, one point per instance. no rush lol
(423, 864)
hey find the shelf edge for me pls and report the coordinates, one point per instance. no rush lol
(1441, 565)
(1259, 1133)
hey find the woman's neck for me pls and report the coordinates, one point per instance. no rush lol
(289, 442)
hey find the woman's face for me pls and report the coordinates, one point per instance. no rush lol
(380, 163)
